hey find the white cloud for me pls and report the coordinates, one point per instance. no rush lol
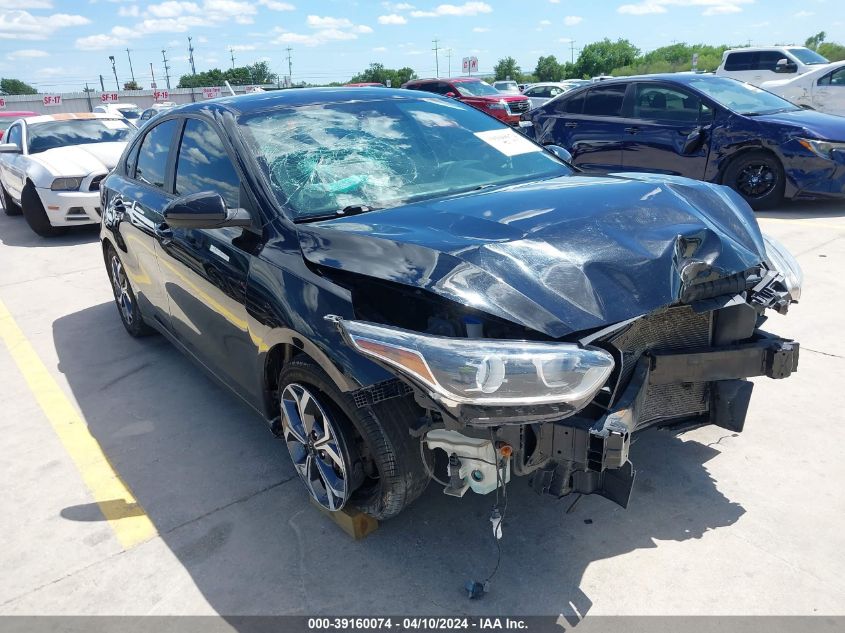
(26, 53)
(393, 18)
(712, 7)
(132, 11)
(317, 22)
(555, 1)
(380, 49)
(545, 22)
(326, 29)
(8, 5)
(171, 9)
(273, 5)
(572, 20)
(397, 6)
(21, 25)
(466, 9)
(804, 14)
(480, 29)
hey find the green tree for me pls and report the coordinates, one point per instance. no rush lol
(16, 87)
(602, 57)
(213, 77)
(833, 51)
(815, 40)
(131, 85)
(548, 69)
(377, 73)
(507, 68)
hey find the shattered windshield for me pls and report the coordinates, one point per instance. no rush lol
(322, 159)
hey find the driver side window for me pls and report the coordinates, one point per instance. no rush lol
(14, 135)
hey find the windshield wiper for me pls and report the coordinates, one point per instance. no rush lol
(352, 209)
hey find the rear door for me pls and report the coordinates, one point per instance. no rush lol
(594, 136)
(668, 132)
(829, 93)
(206, 270)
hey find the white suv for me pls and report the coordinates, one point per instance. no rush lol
(756, 65)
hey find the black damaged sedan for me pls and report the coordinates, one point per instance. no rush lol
(387, 274)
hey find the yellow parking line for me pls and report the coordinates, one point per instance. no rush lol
(127, 518)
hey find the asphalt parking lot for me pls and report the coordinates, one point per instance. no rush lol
(719, 523)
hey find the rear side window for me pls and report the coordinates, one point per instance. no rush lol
(204, 165)
(151, 167)
(572, 105)
(836, 78)
(605, 100)
(740, 61)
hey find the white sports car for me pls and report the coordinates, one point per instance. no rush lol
(51, 167)
(822, 89)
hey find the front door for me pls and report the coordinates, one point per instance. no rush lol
(206, 270)
(668, 132)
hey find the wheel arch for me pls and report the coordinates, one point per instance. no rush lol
(742, 151)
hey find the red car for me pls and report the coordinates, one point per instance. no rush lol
(474, 92)
(7, 118)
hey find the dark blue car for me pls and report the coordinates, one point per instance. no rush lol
(382, 273)
(699, 126)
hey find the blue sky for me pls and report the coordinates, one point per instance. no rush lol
(61, 44)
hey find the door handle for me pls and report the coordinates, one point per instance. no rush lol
(164, 234)
(570, 124)
(632, 130)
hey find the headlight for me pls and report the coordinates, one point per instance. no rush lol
(486, 371)
(781, 260)
(66, 184)
(498, 105)
(824, 149)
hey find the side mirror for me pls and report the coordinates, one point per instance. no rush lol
(9, 148)
(786, 66)
(560, 152)
(451, 95)
(204, 210)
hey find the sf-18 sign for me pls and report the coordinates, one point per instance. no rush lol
(51, 100)
(109, 97)
(211, 93)
(470, 65)
(161, 95)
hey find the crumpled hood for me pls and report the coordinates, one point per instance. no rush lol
(809, 123)
(558, 256)
(81, 160)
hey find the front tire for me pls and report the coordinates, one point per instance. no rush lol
(35, 215)
(124, 297)
(9, 206)
(382, 471)
(758, 177)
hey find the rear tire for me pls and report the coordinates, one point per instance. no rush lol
(35, 215)
(9, 206)
(386, 472)
(124, 297)
(758, 177)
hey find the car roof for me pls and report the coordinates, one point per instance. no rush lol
(446, 79)
(756, 49)
(18, 114)
(67, 116)
(681, 78)
(293, 97)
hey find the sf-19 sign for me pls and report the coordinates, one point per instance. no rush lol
(161, 95)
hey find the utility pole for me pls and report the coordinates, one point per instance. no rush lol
(153, 73)
(102, 85)
(114, 70)
(131, 72)
(191, 56)
(88, 94)
(166, 67)
(449, 57)
(290, 67)
(572, 51)
(436, 49)
(232, 53)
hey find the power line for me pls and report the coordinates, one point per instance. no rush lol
(232, 53)
(436, 49)
(290, 66)
(449, 57)
(166, 67)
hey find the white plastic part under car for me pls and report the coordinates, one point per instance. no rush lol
(477, 457)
